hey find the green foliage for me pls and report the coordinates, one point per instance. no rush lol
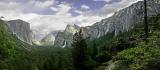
(15, 56)
(136, 58)
(142, 56)
(81, 59)
(53, 58)
(7, 43)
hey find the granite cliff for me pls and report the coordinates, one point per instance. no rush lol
(121, 21)
(21, 29)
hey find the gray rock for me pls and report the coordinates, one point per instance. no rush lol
(21, 29)
(48, 40)
(64, 39)
(121, 21)
(34, 39)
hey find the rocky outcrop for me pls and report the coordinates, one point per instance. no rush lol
(121, 21)
(64, 39)
(48, 40)
(21, 29)
(34, 39)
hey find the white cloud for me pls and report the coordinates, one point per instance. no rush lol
(8, 0)
(63, 9)
(85, 7)
(83, 20)
(12, 10)
(42, 4)
(111, 8)
(103, 0)
(78, 11)
(53, 8)
(9, 10)
(43, 24)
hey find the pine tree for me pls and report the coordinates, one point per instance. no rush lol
(145, 19)
(95, 50)
(79, 51)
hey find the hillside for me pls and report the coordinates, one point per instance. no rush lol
(12, 50)
(7, 43)
(129, 50)
(21, 29)
(18, 55)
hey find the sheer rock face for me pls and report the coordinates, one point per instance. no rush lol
(48, 40)
(34, 39)
(121, 21)
(64, 39)
(21, 29)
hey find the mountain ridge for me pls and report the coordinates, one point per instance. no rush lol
(21, 29)
(121, 21)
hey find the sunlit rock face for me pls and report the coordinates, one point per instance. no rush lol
(34, 39)
(21, 29)
(48, 40)
(121, 21)
(64, 39)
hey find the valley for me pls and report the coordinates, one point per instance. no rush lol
(114, 43)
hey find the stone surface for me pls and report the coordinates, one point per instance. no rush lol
(121, 21)
(64, 39)
(21, 29)
(48, 40)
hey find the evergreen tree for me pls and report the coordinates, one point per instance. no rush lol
(145, 19)
(94, 51)
(79, 51)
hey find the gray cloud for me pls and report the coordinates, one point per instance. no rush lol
(8, 0)
(44, 24)
(109, 9)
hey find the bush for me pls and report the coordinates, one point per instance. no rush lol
(136, 58)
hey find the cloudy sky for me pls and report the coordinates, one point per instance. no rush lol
(46, 16)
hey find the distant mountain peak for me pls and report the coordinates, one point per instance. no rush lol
(21, 29)
(72, 29)
(48, 40)
(18, 21)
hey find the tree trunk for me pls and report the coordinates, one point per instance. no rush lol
(145, 19)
